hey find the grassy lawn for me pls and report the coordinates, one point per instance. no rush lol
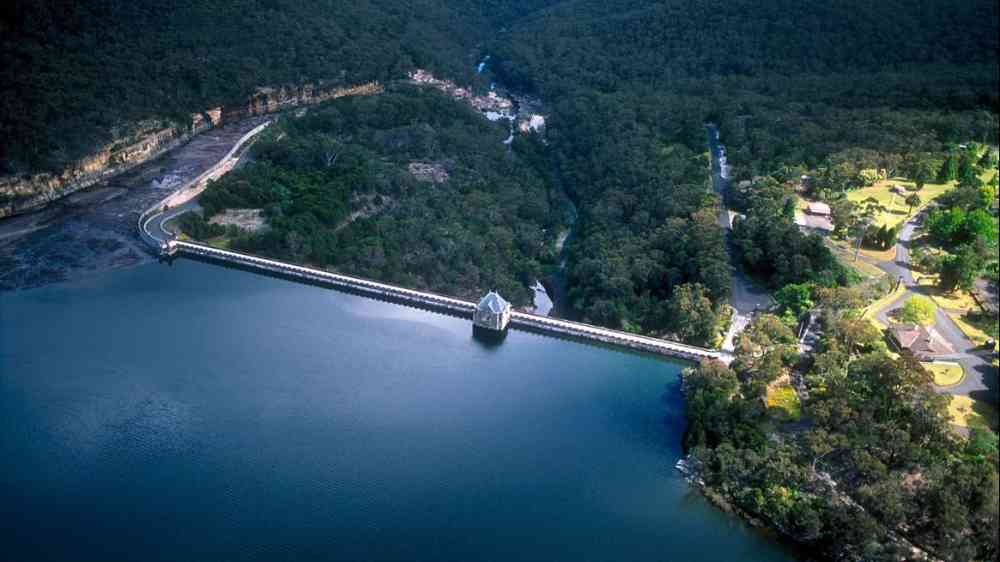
(974, 328)
(895, 204)
(846, 249)
(845, 254)
(945, 373)
(783, 403)
(967, 412)
(219, 242)
(880, 255)
(963, 310)
(958, 300)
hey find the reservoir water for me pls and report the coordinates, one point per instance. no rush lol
(193, 412)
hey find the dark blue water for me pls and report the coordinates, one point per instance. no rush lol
(198, 413)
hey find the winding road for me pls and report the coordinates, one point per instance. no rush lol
(980, 380)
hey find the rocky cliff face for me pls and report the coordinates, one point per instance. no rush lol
(273, 99)
(152, 138)
(147, 140)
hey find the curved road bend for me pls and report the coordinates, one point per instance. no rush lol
(157, 224)
(980, 376)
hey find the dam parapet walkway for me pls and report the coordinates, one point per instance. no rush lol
(448, 305)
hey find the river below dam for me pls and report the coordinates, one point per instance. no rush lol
(195, 412)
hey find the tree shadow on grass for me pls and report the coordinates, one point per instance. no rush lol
(987, 401)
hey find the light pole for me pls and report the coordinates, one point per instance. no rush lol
(865, 223)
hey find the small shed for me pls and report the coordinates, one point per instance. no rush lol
(492, 312)
(818, 209)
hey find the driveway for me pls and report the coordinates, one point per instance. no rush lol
(980, 380)
(900, 267)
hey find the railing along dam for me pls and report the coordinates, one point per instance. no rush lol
(464, 309)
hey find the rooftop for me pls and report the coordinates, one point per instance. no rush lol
(493, 302)
(816, 208)
(919, 340)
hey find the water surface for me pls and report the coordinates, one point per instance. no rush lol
(194, 412)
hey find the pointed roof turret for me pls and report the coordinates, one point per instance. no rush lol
(493, 302)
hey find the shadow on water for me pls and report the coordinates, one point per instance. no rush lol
(488, 339)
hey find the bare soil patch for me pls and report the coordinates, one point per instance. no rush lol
(428, 172)
(250, 220)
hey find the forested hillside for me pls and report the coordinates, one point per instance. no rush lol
(847, 448)
(616, 44)
(627, 83)
(409, 187)
(792, 85)
(70, 72)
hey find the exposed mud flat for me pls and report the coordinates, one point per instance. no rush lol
(94, 230)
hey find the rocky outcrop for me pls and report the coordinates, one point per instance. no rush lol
(152, 138)
(148, 140)
(273, 99)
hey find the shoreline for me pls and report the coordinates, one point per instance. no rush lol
(93, 230)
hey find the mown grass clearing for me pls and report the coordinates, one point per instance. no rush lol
(946, 373)
(783, 403)
(917, 309)
(846, 256)
(897, 211)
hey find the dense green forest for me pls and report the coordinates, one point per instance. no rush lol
(337, 190)
(793, 86)
(617, 44)
(73, 72)
(876, 459)
(627, 86)
(827, 90)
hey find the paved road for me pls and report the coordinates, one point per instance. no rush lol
(900, 267)
(157, 225)
(980, 376)
(747, 297)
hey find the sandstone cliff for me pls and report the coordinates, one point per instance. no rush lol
(152, 138)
